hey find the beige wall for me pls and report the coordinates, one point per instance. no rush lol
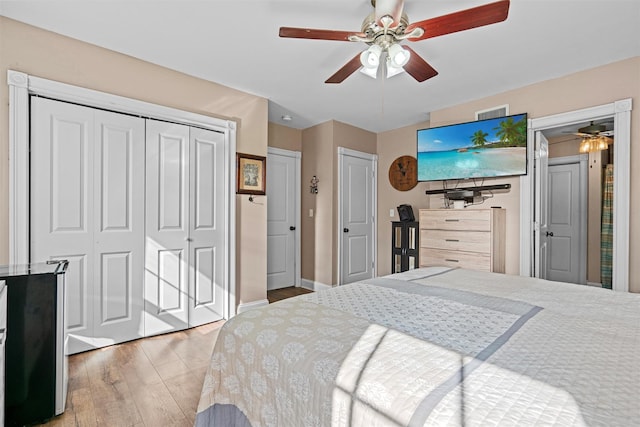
(317, 235)
(320, 158)
(44, 54)
(285, 137)
(390, 146)
(597, 86)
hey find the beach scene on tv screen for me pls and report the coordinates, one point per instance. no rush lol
(486, 148)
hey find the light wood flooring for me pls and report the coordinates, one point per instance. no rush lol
(153, 381)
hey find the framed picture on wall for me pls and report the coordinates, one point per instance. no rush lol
(251, 174)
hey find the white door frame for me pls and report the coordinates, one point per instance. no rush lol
(297, 155)
(621, 112)
(22, 85)
(583, 186)
(373, 158)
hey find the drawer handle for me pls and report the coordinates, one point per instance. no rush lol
(452, 260)
(452, 220)
(451, 240)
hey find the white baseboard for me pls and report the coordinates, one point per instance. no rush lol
(314, 286)
(251, 305)
(597, 285)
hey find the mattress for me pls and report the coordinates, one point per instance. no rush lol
(430, 347)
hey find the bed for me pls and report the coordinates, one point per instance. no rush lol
(432, 346)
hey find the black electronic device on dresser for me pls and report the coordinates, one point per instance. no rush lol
(405, 245)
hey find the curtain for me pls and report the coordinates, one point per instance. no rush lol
(606, 231)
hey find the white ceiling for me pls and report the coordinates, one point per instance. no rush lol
(236, 43)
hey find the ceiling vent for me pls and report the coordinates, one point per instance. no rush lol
(493, 113)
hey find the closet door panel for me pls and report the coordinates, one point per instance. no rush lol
(167, 230)
(206, 231)
(119, 235)
(62, 213)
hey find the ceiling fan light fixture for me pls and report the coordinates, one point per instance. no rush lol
(591, 144)
(585, 145)
(398, 56)
(392, 70)
(370, 58)
(371, 72)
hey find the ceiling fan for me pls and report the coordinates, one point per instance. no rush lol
(387, 26)
(593, 130)
(595, 137)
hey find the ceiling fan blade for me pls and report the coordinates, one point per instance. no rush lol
(463, 20)
(309, 33)
(392, 8)
(344, 72)
(418, 67)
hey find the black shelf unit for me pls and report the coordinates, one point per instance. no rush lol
(405, 245)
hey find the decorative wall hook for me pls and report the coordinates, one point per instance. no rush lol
(314, 185)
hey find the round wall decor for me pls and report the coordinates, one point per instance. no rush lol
(403, 173)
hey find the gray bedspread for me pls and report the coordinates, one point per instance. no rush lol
(432, 346)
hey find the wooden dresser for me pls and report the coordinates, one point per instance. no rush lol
(465, 238)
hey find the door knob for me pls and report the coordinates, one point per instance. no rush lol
(346, 230)
(292, 228)
(549, 233)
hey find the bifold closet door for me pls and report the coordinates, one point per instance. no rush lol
(87, 206)
(185, 260)
(167, 227)
(206, 227)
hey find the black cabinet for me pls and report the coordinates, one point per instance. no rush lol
(36, 361)
(405, 247)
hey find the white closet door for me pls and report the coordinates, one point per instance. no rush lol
(119, 227)
(87, 206)
(206, 229)
(167, 227)
(61, 204)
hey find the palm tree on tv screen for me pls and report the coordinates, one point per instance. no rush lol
(479, 138)
(512, 133)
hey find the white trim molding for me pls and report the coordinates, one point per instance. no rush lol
(246, 306)
(314, 286)
(22, 85)
(621, 112)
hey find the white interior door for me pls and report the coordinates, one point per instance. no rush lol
(357, 207)
(541, 165)
(87, 204)
(206, 227)
(167, 227)
(282, 221)
(564, 262)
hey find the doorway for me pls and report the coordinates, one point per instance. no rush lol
(356, 215)
(620, 111)
(563, 226)
(283, 218)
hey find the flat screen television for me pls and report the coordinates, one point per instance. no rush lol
(482, 149)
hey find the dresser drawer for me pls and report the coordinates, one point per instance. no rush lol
(454, 219)
(469, 241)
(471, 260)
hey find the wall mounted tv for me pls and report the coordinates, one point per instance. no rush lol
(482, 149)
